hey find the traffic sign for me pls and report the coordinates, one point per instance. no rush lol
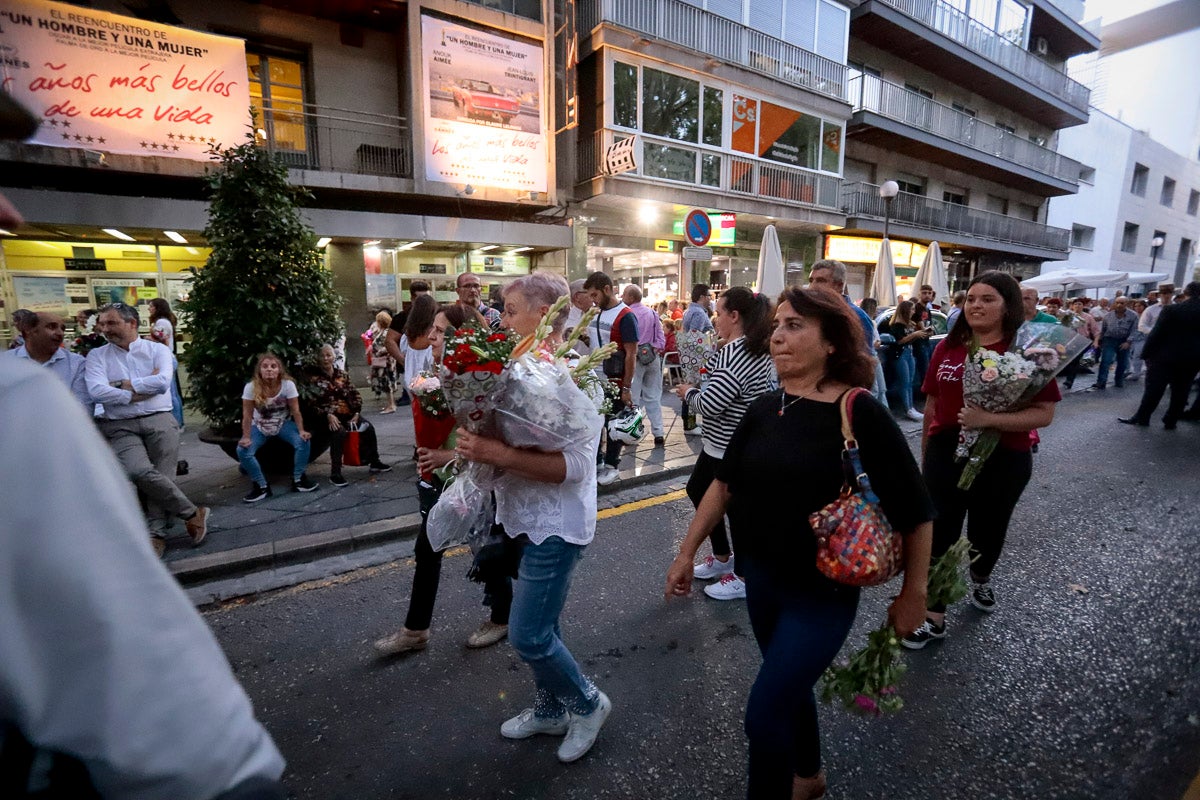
(698, 253)
(697, 227)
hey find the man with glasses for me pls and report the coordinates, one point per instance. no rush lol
(470, 294)
(131, 378)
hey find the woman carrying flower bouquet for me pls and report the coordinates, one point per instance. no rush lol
(738, 373)
(547, 502)
(783, 463)
(433, 425)
(992, 315)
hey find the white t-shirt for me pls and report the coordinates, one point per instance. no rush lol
(166, 333)
(415, 361)
(270, 416)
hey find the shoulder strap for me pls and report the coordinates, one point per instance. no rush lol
(846, 403)
(850, 456)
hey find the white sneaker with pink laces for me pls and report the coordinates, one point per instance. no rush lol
(710, 568)
(731, 587)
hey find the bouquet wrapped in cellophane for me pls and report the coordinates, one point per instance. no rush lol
(1009, 381)
(695, 349)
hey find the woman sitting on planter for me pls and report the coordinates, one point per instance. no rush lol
(341, 404)
(267, 401)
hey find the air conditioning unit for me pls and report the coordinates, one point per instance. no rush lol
(1041, 46)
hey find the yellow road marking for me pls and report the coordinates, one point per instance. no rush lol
(638, 505)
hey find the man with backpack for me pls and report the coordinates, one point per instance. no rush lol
(615, 323)
(648, 371)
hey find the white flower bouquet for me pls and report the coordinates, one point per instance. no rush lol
(1000, 382)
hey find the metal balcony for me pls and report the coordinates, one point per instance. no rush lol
(337, 140)
(908, 122)
(969, 225)
(944, 40)
(673, 163)
(682, 24)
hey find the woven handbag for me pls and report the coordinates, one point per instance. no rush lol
(855, 543)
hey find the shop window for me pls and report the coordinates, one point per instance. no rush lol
(277, 93)
(789, 137)
(670, 105)
(831, 146)
(714, 102)
(625, 94)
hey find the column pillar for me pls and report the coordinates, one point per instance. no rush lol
(345, 261)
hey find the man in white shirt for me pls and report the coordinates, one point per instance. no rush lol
(43, 345)
(581, 302)
(131, 378)
(1166, 296)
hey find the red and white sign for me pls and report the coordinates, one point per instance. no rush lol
(697, 227)
(122, 85)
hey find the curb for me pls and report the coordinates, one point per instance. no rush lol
(239, 561)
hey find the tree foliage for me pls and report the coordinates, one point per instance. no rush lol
(263, 288)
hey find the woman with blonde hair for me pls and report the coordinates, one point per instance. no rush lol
(383, 366)
(271, 407)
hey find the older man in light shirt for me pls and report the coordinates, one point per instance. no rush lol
(131, 378)
(43, 345)
(648, 372)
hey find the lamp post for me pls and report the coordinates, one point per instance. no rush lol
(888, 191)
(1155, 245)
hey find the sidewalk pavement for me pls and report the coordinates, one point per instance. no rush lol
(290, 527)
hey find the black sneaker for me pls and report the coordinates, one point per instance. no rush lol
(379, 466)
(257, 493)
(305, 484)
(659, 441)
(983, 598)
(924, 635)
(336, 479)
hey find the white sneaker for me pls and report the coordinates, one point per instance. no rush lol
(582, 731)
(731, 587)
(712, 568)
(914, 415)
(525, 724)
(606, 474)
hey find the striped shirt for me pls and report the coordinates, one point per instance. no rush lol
(735, 380)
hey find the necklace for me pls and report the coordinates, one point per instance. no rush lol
(785, 406)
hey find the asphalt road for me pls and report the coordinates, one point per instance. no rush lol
(1085, 683)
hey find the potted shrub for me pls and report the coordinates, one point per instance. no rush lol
(264, 287)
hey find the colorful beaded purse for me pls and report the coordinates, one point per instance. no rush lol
(855, 543)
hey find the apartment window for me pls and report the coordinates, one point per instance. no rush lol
(277, 96)
(1141, 177)
(1087, 174)
(996, 205)
(1193, 202)
(530, 9)
(913, 184)
(959, 107)
(1184, 259)
(625, 95)
(1005, 128)
(1167, 198)
(956, 195)
(1129, 238)
(670, 105)
(918, 110)
(1082, 237)
(1040, 141)
(1028, 211)
(714, 108)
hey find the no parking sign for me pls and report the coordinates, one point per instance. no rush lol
(697, 227)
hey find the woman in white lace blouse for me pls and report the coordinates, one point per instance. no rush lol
(546, 501)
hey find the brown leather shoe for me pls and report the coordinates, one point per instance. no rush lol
(159, 544)
(197, 526)
(402, 641)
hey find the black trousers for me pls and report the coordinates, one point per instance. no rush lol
(428, 574)
(703, 475)
(987, 507)
(1159, 375)
(610, 448)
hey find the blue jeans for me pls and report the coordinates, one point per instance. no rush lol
(906, 365)
(799, 629)
(290, 434)
(1110, 350)
(538, 599)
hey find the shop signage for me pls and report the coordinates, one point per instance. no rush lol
(724, 229)
(697, 227)
(105, 82)
(84, 263)
(485, 116)
(620, 157)
(698, 253)
(664, 246)
(433, 269)
(865, 250)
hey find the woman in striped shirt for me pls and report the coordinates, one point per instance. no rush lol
(738, 373)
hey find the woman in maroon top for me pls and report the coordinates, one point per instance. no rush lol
(992, 315)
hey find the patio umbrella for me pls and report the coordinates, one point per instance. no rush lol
(883, 287)
(1066, 279)
(770, 264)
(933, 272)
(1138, 278)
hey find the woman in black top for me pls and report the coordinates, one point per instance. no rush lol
(783, 464)
(906, 332)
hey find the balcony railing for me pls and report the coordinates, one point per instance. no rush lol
(337, 140)
(958, 26)
(667, 161)
(683, 24)
(863, 200)
(869, 93)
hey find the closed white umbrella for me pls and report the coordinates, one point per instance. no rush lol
(770, 264)
(1066, 279)
(933, 272)
(883, 287)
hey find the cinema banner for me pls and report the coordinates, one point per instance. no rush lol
(116, 84)
(485, 119)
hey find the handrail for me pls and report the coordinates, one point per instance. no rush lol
(977, 37)
(870, 93)
(863, 200)
(330, 139)
(684, 24)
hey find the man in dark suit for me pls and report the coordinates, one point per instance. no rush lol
(1172, 356)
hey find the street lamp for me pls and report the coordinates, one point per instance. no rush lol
(888, 191)
(1155, 244)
